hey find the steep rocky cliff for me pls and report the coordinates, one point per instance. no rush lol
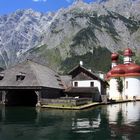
(87, 32)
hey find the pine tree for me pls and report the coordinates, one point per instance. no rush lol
(120, 86)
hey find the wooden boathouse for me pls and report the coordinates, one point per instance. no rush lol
(27, 83)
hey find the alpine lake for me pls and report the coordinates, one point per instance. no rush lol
(106, 122)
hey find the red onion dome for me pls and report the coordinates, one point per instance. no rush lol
(124, 70)
(133, 68)
(128, 52)
(114, 57)
(119, 69)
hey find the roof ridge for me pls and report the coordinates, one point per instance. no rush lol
(34, 72)
(28, 60)
(87, 71)
(36, 68)
(74, 68)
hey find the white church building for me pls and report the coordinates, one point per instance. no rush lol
(128, 73)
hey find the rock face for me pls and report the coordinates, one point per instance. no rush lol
(19, 32)
(76, 32)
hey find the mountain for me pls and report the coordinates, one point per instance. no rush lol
(19, 32)
(88, 32)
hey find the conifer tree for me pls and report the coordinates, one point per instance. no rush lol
(120, 86)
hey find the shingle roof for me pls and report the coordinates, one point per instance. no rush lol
(66, 80)
(76, 70)
(36, 75)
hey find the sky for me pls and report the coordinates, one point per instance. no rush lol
(9, 6)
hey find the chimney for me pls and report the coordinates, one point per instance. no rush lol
(89, 70)
(81, 63)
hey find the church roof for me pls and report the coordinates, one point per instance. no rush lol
(35, 76)
(124, 70)
(128, 69)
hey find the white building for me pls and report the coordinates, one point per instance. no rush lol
(86, 84)
(129, 75)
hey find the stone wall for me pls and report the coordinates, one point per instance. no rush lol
(68, 101)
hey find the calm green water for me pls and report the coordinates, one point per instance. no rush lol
(111, 122)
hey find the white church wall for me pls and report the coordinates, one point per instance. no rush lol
(113, 91)
(132, 87)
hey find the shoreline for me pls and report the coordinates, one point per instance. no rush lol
(82, 107)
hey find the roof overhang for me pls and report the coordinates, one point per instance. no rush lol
(20, 87)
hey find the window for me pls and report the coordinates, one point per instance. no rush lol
(76, 84)
(91, 84)
(126, 85)
(20, 76)
(1, 76)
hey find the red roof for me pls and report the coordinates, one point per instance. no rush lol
(124, 70)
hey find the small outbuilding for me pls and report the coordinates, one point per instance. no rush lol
(86, 84)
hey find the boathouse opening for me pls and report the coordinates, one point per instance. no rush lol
(21, 98)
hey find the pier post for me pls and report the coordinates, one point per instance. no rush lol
(3, 113)
(38, 98)
(3, 97)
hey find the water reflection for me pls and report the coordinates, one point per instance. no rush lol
(119, 121)
(84, 123)
(17, 115)
(124, 120)
(129, 111)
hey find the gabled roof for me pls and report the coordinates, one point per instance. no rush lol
(36, 75)
(78, 69)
